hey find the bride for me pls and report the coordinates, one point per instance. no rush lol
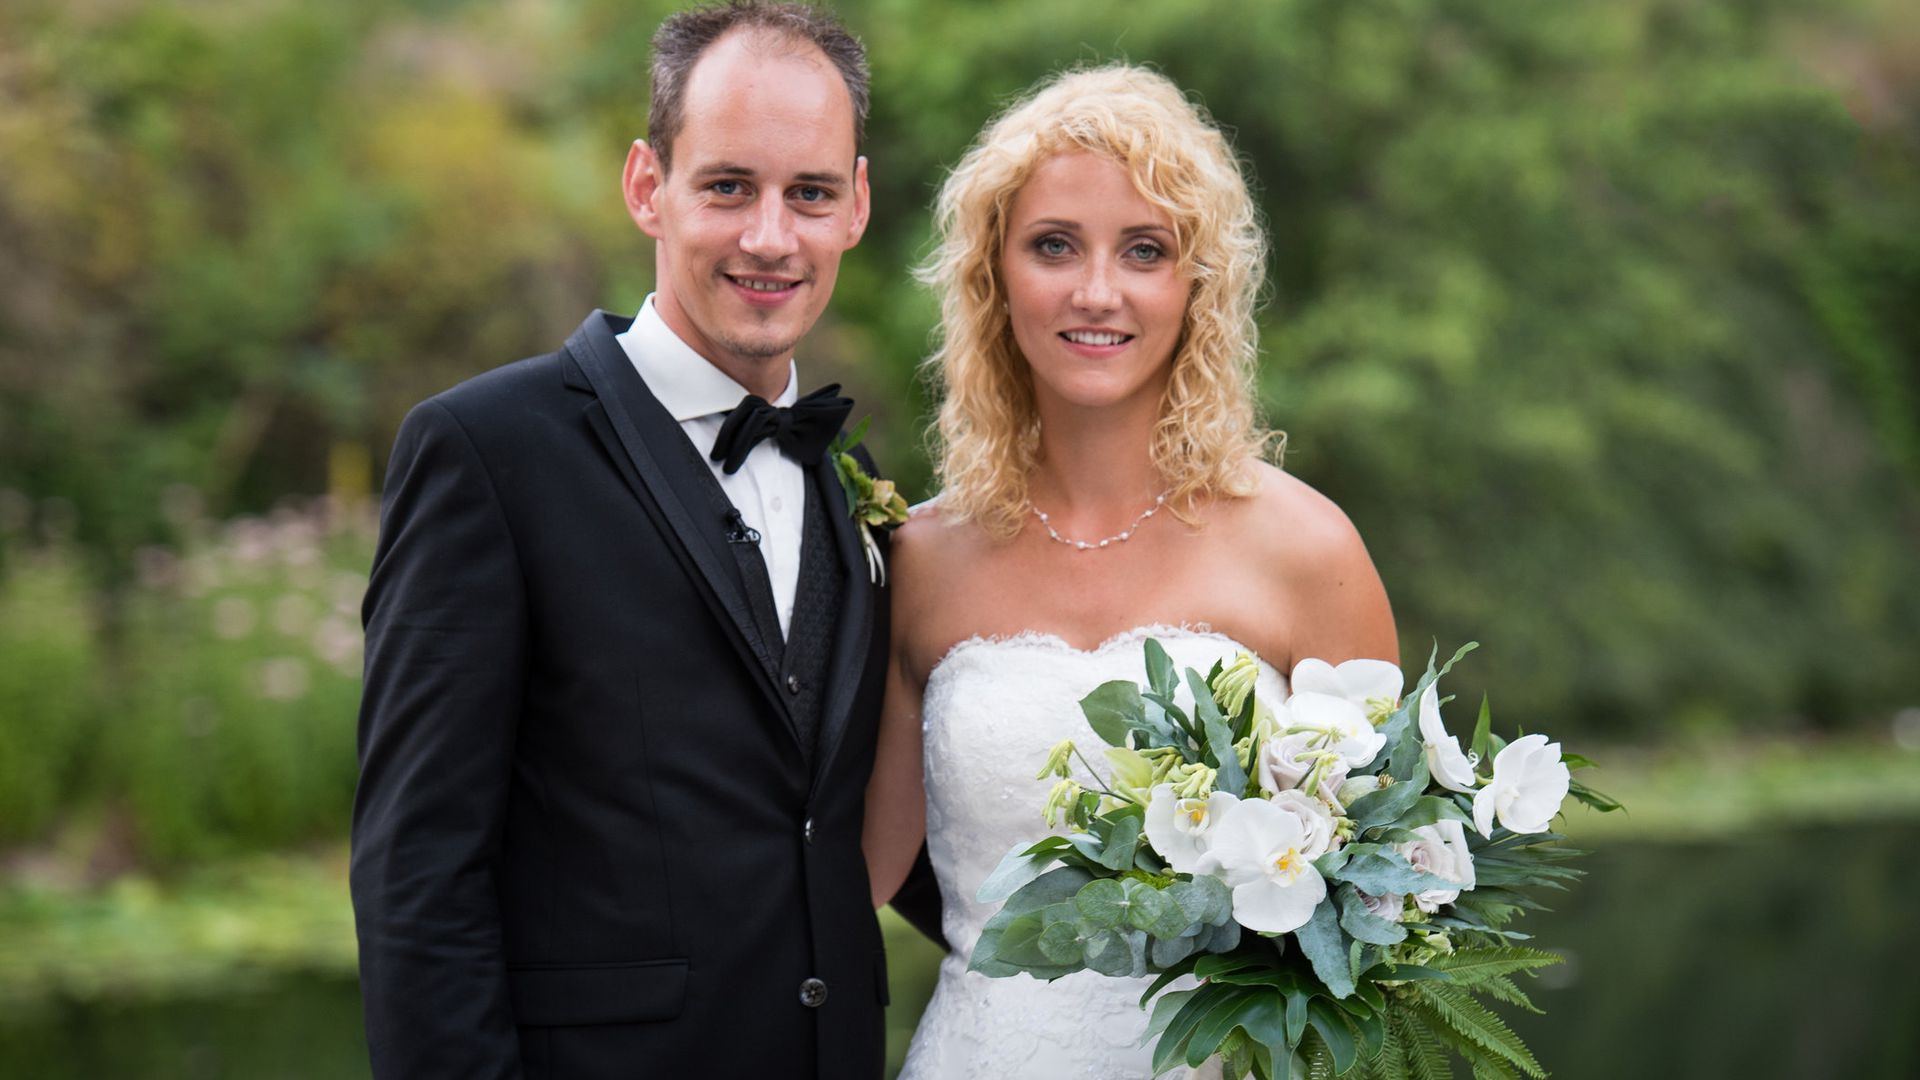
(1102, 481)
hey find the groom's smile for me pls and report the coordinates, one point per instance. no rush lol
(752, 203)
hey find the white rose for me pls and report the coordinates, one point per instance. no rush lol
(1391, 907)
(1441, 851)
(1451, 769)
(1374, 685)
(1529, 783)
(1181, 829)
(1316, 821)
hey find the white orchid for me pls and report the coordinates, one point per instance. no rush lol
(1442, 851)
(1529, 783)
(1180, 829)
(1374, 685)
(1337, 724)
(1451, 768)
(1260, 850)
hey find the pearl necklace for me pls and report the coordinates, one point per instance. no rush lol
(1094, 545)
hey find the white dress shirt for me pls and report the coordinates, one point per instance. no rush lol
(770, 489)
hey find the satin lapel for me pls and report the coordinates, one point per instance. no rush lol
(638, 434)
(854, 630)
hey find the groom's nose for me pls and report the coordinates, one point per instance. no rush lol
(769, 233)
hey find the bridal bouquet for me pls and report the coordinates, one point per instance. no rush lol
(1336, 871)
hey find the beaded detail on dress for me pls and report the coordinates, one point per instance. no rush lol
(993, 707)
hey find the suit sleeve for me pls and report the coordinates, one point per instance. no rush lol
(445, 672)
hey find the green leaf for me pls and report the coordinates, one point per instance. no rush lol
(1215, 1025)
(1577, 761)
(1154, 911)
(1478, 1024)
(1172, 1047)
(1232, 778)
(1425, 1054)
(1167, 951)
(1483, 731)
(1325, 945)
(1160, 671)
(1468, 966)
(1174, 971)
(1103, 902)
(1017, 867)
(1117, 852)
(1052, 887)
(1386, 805)
(1165, 1009)
(1382, 871)
(1331, 1024)
(1603, 803)
(1363, 924)
(1114, 709)
(1063, 942)
(1204, 900)
(1428, 809)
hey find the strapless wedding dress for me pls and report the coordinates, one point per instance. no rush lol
(993, 708)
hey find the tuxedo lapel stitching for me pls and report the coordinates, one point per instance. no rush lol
(854, 628)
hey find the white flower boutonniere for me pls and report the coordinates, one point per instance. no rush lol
(873, 503)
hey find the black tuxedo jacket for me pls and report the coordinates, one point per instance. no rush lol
(586, 840)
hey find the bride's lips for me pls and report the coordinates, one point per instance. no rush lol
(1095, 342)
(763, 290)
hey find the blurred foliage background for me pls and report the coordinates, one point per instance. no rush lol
(1601, 320)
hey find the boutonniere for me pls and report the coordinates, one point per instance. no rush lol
(873, 503)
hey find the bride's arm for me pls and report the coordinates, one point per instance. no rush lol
(896, 813)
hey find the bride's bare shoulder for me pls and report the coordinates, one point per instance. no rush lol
(1289, 519)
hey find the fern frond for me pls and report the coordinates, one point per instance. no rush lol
(1501, 988)
(1471, 966)
(1481, 1061)
(1426, 1056)
(1318, 1059)
(1478, 1024)
(1390, 1063)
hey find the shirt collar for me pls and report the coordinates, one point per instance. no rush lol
(683, 381)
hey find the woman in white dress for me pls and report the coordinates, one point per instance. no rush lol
(1103, 479)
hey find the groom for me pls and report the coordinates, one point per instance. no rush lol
(624, 652)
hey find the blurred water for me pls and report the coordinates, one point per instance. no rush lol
(1786, 955)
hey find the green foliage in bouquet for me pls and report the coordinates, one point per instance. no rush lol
(1352, 991)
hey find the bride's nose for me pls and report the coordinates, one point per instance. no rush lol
(1097, 290)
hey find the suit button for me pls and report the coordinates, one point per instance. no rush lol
(813, 993)
(806, 831)
(793, 684)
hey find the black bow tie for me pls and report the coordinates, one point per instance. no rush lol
(802, 431)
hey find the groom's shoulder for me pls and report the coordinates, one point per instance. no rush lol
(506, 392)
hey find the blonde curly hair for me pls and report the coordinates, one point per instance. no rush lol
(987, 438)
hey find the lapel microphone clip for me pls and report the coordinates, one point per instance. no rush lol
(738, 531)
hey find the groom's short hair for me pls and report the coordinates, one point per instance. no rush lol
(684, 37)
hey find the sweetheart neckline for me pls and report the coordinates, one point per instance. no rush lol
(1132, 636)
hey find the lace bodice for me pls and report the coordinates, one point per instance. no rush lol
(993, 708)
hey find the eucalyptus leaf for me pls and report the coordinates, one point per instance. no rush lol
(1165, 952)
(1113, 709)
(1428, 809)
(1103, 902)
(1382, 872)
(1384, 806)
(1204, 899)
(1017, 867)
(1117, 853)
(1325, 946)
(1154, 911)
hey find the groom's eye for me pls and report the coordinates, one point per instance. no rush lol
(728, 189)
(811, 194)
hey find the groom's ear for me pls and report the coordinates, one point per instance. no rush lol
(862, 203)
(641, 183)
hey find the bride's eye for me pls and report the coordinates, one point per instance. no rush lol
(1146, 251)
(1052, 246)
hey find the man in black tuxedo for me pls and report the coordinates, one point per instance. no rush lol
(624, 646)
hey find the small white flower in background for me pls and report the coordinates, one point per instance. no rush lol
(1529, 783)
(1374, 685)
(1451, 768)
(1337, 724)
(1316, 821)
(1260, 850)
(1181, 829)
(1441, 850)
